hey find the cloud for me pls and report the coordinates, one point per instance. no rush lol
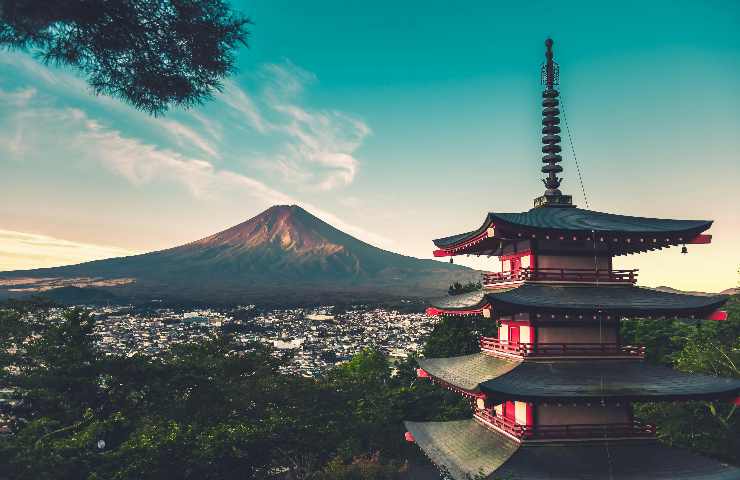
(187, 134)
(21, 251)
(311, 147)
(319, 145)
(286, 79)
(64, 84)
(238, 100)
(142, 163)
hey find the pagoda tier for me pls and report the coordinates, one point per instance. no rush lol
(575, 229)
(552, 393)
(466, 449)
(578, 303)
(487, 376)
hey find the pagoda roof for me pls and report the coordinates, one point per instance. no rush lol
(467, 449)
(468, 371)
(627, 300)
(472, 302)
(580, 222)
(568, 380)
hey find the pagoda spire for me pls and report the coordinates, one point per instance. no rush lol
(550, 134)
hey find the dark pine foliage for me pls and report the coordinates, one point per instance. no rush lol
(696, 346)
(205, 410)
(458, 336)
(458, 288)
(215, 410)
(153, 54)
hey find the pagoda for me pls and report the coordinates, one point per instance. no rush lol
(551, 394)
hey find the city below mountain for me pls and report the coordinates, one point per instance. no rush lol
(283, 255)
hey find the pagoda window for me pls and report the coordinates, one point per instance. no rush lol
(525, 334)
(515, 331)
(516, 261)
(515, 411)
(522, 413)
(526, 261)
(503, 333)
(514, 334)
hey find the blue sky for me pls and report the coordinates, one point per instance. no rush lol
(398, 122)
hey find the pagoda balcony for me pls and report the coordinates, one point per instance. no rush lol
(579, 275)
(530, 433)
(497, 346)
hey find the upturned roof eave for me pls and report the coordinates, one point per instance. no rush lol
(505, 221)
(566, 380)
(538, 298)
(467, 449)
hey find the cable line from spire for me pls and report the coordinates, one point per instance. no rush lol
(573, 150)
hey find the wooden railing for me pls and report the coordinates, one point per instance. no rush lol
(560, 275)
(502, 423)
(490, 344)
(571, 431)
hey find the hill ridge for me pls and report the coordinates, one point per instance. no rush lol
(283, 247)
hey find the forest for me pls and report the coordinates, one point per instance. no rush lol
(215, 410)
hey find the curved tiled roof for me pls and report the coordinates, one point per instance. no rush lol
(617, 299)
(568, 380)
(463, 447)
(575, 220)
(464, 301)
(466, 450)
(623, 299)
(578, 221)
(453, 239)
(467, 371)
(607, 379)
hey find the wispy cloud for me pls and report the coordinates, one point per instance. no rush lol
(319, 145)
(142, 163)
(20, 251)
(313, 148)
(186, 134)
(237, 99)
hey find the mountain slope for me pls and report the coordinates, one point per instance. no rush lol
(282, 251)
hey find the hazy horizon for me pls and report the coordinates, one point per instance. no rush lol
(396, 130)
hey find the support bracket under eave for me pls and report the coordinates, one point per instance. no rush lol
(700, 239)
(717, 316)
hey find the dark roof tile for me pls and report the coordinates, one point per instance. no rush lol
(615, 299)
(467, 449)
(579, 220)
(565, 379)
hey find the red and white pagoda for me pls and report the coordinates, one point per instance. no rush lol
(552, 393)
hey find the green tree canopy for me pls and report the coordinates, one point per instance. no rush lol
(695, 346)
(153, 54)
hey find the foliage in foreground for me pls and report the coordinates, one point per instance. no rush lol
(152, 54)
(207, 411)
(217, 411)
(713, 348)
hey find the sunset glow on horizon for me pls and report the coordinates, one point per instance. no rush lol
(396, 131)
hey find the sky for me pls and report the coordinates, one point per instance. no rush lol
(397, 122)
